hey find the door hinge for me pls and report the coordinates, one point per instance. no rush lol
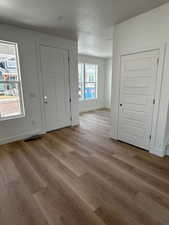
(158, 60)
(154, 101)
(70, 100)
(71, 118)
(150, 137)
(68, 59)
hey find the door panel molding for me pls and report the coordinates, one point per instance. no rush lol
(135, 83)
(160, 108)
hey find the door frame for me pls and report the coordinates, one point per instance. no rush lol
(41, 83)
(162, 50)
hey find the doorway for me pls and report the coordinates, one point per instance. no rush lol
(56, 87)
(137, 97)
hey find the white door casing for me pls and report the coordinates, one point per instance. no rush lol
(137, 97)
(55, 74)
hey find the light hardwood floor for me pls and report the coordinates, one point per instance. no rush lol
(79, 176)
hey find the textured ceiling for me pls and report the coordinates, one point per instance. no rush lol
(88, 21)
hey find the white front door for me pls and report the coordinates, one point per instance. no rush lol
(137, 91)
(55, 73)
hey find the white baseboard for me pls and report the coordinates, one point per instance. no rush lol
(167, 151)
(20, 137)
(26, 135)
(167, 145)
(158, 152)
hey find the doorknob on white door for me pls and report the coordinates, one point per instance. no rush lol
(45, 99)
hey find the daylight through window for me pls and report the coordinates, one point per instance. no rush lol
(87, 81)
(11, 101)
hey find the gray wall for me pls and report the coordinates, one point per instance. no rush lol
(108, 85)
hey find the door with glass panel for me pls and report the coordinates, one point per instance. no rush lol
(88, 76)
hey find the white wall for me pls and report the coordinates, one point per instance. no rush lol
(29, 42)
(147, 31)
(98, 103)
(108, 84)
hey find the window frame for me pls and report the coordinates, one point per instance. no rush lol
(84, 80)
(18, 82)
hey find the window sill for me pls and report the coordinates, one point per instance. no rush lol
(88, 100)
(12, 117)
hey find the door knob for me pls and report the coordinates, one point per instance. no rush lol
(121, 105)
(45, 99)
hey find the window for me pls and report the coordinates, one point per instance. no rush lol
(11, 100)
(87, 81)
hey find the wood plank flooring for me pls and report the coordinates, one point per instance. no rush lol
(79, 176)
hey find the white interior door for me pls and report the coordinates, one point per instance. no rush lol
(55, 74)
(137, 92)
